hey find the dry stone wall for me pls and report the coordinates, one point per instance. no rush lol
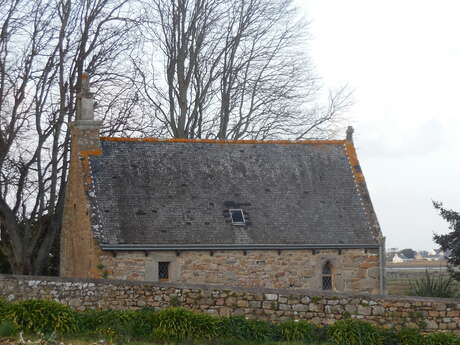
(271, 304)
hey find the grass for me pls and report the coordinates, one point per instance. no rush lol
(211, 342)
(87, 341)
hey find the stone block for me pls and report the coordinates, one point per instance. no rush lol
(315, 307)
(305, 300)
(300, 307)
(230, 301)
(241, 303)
(364, 310)
(352, 309)
(282, 299)
(224, 311)
(284, 306)
(271, 297)
(270, 305)
(255, 304)
(378, 310)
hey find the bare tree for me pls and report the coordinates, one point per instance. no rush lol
(233, 69)
(45, 46)
(186, 68)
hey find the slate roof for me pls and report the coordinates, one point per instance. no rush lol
(175, 194)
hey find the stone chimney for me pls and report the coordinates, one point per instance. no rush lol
(85, 129)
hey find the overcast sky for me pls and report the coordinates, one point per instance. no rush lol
(402, 58)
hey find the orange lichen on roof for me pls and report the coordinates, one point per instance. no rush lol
(87, 153)
(354, 162)
(88, 179)
(215, 141)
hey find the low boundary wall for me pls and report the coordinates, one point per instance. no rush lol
(430, 314)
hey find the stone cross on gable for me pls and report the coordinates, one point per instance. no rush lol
(350, 131)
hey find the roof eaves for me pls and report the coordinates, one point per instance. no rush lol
(144, 247)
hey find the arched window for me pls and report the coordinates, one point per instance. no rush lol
(327, 276)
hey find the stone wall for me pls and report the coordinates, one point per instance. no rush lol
(353, 270)
(270, 304)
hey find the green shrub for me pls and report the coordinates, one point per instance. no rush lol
(8, 329)
(4, 306)
(237, 327)
(389, 336)
(433, 285)
(40, 316)
(297, 331)
(181, 324)
(410, 336)
(114, 324)
(145, 321)
(355, 332)
(322, 334)
(441, 339)
(263, 330)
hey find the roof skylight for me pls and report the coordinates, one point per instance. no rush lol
(237, 216)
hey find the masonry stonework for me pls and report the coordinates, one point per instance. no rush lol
(428, 314)
(352, 270)
(134, 203)
(79, 249)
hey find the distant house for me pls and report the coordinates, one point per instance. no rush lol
(399, 258)
(274, 214)
(436, 255)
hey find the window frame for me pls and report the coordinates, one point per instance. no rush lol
(168, 271)
(327, 275)
(242, 215)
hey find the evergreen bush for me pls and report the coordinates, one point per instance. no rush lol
(297, 331)
(410, 336)
(389, 336)
(441, 339)
(41, 316)
(355, 332)
(181, 324)
(238, 327)
(4, 306)
(126, 324)
(8, 329)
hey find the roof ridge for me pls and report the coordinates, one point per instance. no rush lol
(216, 141)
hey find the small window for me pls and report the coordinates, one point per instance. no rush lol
(163, 271)
(237, 216)
(327, 276)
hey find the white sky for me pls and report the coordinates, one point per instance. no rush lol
(402, 58)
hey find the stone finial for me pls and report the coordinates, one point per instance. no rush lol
(85, 100)
(350, 131)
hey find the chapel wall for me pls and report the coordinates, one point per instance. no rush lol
(353, 270)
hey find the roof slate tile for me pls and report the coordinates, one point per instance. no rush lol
(179, 193)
